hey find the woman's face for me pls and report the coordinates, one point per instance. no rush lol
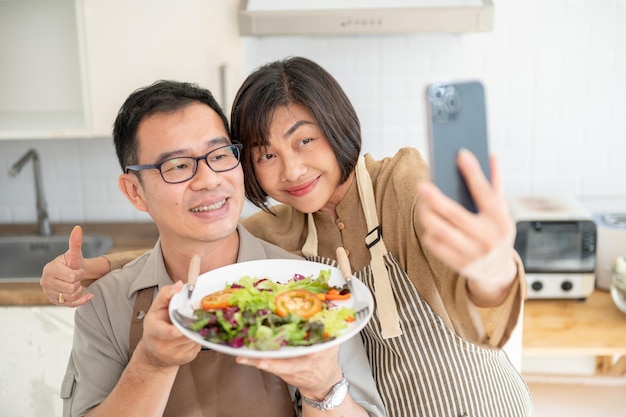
(299, 168)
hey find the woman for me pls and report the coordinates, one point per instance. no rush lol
(302, 141)
(448, 284)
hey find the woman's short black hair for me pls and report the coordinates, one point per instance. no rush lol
(294, 80)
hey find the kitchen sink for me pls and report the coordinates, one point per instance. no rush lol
(22, 258)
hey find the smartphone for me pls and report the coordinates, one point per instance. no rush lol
(456, 119)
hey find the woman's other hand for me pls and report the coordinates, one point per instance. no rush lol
(62, 277)
(476, 245)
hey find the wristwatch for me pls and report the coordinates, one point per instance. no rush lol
(334, 398)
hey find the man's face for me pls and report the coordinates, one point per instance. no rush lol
(207, 207)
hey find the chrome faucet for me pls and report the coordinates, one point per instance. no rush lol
(43, 222)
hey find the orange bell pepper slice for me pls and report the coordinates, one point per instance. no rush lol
(335, 294)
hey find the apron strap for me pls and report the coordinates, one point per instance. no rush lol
(386, 306)
(387, 309)
(140, 309)
(309, 250)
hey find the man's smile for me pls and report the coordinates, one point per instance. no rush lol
(209, 207)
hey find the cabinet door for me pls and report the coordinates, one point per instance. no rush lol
(40, 79)
(130, 44)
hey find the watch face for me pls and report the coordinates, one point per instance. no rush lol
(334, 398)
(338, 395)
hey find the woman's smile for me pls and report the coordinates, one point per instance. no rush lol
(303, 188)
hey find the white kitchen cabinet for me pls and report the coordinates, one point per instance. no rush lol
(71, 63)
(130, 44)
(40, 71)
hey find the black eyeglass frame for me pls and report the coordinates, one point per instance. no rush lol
(204, 157)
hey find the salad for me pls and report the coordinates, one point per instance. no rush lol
(261, 314)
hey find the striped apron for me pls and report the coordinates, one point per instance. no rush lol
(426, 369)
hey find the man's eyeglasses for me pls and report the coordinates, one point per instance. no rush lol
(181, 169)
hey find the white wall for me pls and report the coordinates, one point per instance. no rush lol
(556, 89)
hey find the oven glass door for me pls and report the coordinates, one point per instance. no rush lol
(557, 246)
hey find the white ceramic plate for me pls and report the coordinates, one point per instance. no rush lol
(279, 270)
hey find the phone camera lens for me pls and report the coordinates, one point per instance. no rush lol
(437, 92)
(445, 102)
(440, 112)
(453, 102)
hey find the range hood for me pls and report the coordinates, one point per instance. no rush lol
(333, 17)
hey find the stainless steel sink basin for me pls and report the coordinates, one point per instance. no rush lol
(22, 258)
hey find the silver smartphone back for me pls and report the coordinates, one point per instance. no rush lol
(456, 118)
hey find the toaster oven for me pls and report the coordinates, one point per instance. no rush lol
(556, 239)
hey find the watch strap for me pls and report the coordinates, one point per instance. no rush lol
(333, 399)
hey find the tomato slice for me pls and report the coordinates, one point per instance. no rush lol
(217, 300)
(302, 303)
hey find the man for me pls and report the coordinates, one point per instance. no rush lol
(180, 167)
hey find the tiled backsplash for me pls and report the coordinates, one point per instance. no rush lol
(553, 71)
